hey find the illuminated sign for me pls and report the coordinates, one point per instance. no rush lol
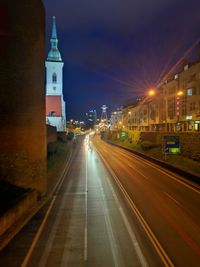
(188, 117)
(123, 135)
(171, 144)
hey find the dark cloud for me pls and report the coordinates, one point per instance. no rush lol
(113, 15)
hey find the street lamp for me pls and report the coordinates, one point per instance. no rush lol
(151, 92)
(130, 119)
(178, 95)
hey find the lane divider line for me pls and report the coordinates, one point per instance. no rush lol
(169, 196)
(116, 255)
(28, 255)
(64, 172)
(128, 227)
(159, 249)
(179, 180)
(51, 236)
(86, 204)
(38, 234)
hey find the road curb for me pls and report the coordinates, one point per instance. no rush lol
(189, 176)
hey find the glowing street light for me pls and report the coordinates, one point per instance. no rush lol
(151, 92)
(179, 93)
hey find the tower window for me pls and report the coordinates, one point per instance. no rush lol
(54, 78)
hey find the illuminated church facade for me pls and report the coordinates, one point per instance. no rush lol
(55, 104)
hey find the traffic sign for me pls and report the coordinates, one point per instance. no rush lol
(171, 144)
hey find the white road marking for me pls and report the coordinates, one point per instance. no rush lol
(86, 207)
(52, 233)
(160, 169)
(161, 252)
(129, 229)
(39, 232)
(171, 198)
(112, 239)
(37, 236)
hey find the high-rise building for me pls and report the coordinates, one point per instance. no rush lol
(91, 118)
(55, 105)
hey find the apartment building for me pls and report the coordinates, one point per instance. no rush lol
(174, 107)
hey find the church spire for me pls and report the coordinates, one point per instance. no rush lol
(54, 32)
(54, 54)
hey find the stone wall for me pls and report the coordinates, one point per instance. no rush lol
(22, 94)
(190, 145)
(189, 141)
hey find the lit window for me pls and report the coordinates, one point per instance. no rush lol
(189, 91)
(54, 78)
(186, 67)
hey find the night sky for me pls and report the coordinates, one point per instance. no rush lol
(114, 50)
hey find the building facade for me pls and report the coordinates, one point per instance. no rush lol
(174, 107)
(55, 105)
(91, 118)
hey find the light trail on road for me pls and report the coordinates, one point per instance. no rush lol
(86, 223)
(168, 205)
(115, 210)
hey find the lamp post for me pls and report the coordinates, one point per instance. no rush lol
(179, 94)
(130, 119)
(151, 93)
(166, 109)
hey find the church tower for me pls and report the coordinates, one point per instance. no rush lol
(55, 105)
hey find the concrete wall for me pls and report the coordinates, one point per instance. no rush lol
(51, 134)
(189, 142)
(22, 94)
(190, 145)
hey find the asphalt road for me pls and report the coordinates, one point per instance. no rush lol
(168, 205)
(112, 209)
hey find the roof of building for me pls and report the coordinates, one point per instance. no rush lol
(54, 53)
